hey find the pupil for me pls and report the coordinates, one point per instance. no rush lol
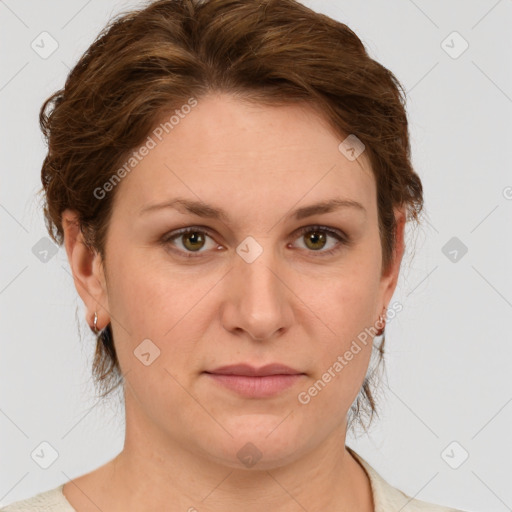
(194, 237)
(316, 237)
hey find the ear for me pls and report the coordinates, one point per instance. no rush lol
(87, 269)
(389, 278)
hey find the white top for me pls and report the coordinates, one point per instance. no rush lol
(385, 497)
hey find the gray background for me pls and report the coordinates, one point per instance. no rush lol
(448, 351)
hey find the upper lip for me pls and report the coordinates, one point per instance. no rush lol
(251, 371)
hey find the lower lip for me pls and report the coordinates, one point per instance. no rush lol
(256, 387)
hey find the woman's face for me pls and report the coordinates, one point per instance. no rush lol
(245, 286)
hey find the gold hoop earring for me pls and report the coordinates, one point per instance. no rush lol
(95, 328)
(382, 320)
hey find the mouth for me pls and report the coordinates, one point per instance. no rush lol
(253, 382)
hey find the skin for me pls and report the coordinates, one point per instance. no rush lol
(291, 305)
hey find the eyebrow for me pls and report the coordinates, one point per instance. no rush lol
(205, 210)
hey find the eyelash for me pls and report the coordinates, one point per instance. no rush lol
(340, 236)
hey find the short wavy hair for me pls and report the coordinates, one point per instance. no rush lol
(147, 62)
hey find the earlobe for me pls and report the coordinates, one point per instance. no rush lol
(86, 268)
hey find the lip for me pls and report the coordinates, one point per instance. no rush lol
(250, 371)
(251, 382)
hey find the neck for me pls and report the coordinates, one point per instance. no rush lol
(156, 472)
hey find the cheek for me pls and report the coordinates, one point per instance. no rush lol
(343, 355)
(145, 295)
(170, 308)
(349, 317)
(347, 306)
(349, 297)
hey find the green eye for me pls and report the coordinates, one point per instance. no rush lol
(316, 238)
(194, 239)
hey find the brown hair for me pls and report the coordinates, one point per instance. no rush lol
(147, 62)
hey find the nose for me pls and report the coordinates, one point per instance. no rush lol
(258, 300)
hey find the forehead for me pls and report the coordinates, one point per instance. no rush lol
(263, 155)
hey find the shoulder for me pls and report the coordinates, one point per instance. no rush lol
(390, 499)
(52, 500)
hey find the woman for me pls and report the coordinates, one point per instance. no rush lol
(231, 181)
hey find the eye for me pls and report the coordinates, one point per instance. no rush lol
(317, 239)
(191, 239)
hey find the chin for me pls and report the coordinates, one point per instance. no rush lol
(259, 442)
